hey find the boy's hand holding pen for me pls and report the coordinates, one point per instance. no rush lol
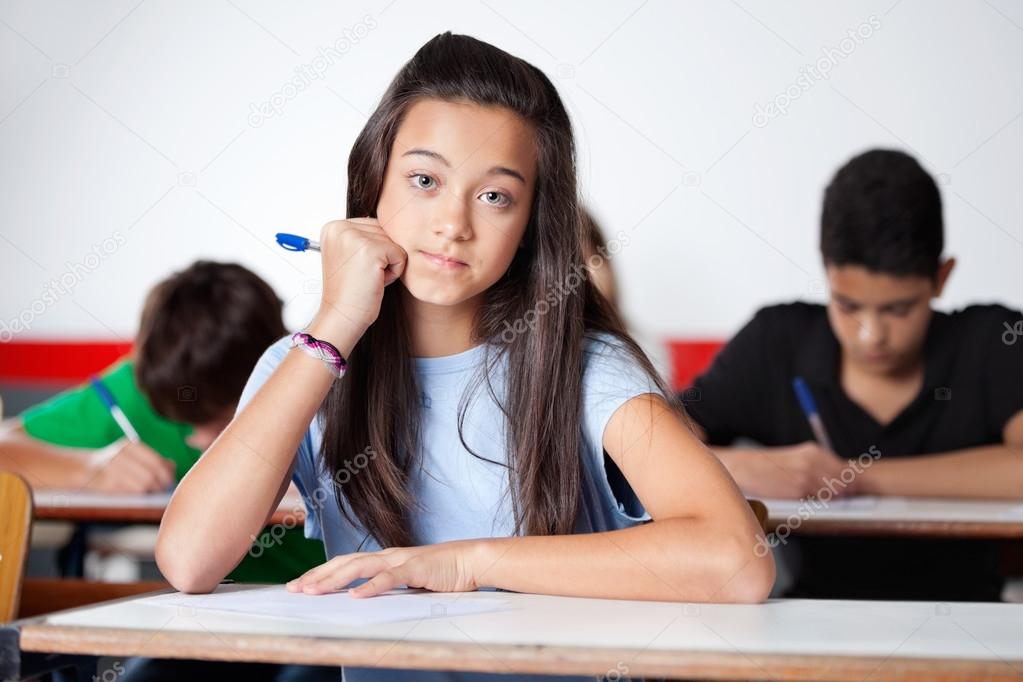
(127, 465)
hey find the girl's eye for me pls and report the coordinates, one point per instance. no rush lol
(423, 181)
(498, 199)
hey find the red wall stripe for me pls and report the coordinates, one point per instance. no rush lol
(71, 362)
(689, 359)
(57, 361)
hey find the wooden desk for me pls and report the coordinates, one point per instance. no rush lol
(900, 516)
(85, 506)
(782, 639)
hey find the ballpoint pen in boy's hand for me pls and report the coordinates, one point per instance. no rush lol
(115, 410)
(122, 421)
(809, 406)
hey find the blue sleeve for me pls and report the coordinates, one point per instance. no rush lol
(611, 377)
(304, 475)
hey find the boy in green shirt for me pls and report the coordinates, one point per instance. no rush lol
(201, 332)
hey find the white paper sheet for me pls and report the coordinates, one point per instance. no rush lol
(336, 608)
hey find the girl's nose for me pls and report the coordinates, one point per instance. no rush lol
(452, 219)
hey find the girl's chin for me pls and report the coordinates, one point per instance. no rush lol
(440, 296)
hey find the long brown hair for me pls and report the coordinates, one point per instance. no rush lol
(377, 404)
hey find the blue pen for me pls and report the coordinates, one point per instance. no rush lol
(809, 406)
(115, 410)
(293, 242)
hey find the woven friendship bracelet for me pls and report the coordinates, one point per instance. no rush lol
(323, 350)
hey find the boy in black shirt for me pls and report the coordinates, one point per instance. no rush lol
(935, 398)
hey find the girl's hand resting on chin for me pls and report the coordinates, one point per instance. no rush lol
(359, 260)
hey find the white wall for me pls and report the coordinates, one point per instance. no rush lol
(131, 122)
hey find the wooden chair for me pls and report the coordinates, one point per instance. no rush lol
(15, 532)
(22, 597)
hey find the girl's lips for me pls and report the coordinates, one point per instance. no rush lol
(443, 262)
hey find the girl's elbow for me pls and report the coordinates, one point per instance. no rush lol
(735, 570)
(755, 588)
(192, 585)
(180, 567)
(751, 575)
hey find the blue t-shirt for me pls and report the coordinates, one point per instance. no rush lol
(459, 495)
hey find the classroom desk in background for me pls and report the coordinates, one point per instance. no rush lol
(899, 516)
(921, 517)
(781, 639)
(40, 595)
(87, 506)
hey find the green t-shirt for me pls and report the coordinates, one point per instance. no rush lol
(78, 418)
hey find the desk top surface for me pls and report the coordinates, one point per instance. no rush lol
(785, 639)
(899, 516)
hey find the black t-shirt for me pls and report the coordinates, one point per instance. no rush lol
(973, 385)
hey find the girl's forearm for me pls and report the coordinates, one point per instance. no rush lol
(682, 560)
(994, 471)
(225, 499)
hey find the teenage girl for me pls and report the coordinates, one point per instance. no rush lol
(466, 410)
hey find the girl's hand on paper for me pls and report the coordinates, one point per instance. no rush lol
(444, 567)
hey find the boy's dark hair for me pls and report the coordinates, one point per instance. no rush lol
(882, 211)
(201, 333)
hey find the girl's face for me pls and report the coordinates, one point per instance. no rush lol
(456, 196)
